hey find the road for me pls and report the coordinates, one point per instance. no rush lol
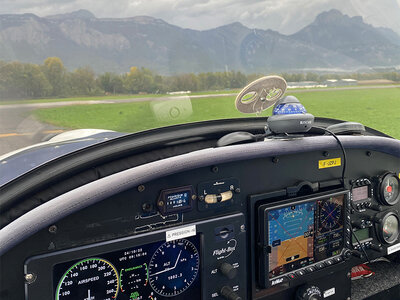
(19, 129)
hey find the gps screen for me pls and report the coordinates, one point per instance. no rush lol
(301, 234)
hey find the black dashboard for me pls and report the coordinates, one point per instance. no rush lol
(276, 219)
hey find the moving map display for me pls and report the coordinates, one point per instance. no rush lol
(303, 233)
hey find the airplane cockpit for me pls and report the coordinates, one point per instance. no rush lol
(285, 207)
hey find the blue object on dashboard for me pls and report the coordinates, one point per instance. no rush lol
(289, 109)
(289, 116)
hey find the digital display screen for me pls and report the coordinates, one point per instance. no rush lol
(360, 193)
(156, 271)
(177, 200)
(305, 233)
(291, 234)
(361, 234)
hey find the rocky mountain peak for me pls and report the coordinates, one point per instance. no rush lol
(78, 14)
(334, 17)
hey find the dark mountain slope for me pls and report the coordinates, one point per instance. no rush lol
(332, 41)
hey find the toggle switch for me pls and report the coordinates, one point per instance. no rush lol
(216, 198)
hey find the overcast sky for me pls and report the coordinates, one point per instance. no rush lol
(285, 16)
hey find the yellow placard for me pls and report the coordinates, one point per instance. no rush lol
(329, 163)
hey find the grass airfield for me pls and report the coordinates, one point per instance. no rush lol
(376, 108)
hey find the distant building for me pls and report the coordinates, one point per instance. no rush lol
(340, 82)
(304, 84)
(348, 81)
(331, 82)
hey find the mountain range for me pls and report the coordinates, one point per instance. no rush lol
(333, 41)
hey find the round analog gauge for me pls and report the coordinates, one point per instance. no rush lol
(390, 228)
(173, 267)
(92, 278)
(389, 189)
(330, 214)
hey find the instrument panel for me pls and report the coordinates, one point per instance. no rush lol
(265, 228)
(177, 265)
(375, 217)
(153, 271)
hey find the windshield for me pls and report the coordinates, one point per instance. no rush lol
(137, 65)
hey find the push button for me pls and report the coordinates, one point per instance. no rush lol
(329, 263)
(300, 273)
(338, 259)
(319, 266)
(309, 269)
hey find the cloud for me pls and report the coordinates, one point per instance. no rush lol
(285, 16)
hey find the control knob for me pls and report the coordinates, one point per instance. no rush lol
(347, 254)
(308, 292)
(228, 293)
(228, 270)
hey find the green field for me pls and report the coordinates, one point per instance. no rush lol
(376, 108)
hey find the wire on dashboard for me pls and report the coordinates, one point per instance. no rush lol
(341, 147)
(343, 177)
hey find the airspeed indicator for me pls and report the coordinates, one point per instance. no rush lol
(92, 278)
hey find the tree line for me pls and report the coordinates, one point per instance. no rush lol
(51, 79)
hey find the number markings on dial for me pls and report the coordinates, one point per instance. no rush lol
(173, 267)
(330, 213)
(98, 276)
